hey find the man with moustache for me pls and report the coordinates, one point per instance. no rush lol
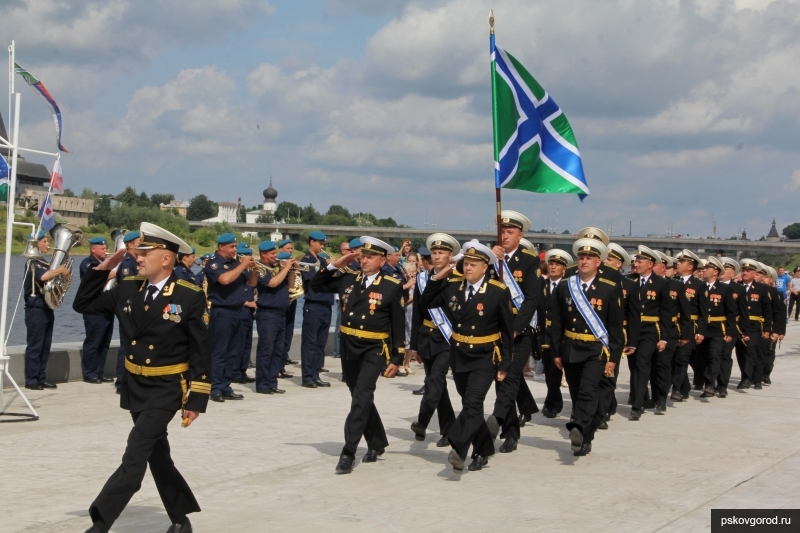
(692, 299)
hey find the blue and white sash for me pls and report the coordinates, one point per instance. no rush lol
(438, 316)
(586, 310)
(516, 293)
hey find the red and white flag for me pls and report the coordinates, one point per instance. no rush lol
(57, 179)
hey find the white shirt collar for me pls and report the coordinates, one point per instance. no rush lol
(159, 286)
(686, 278)
(370, 279)
(587, 283)
(556, 280)
(512, 252)
(643, 279)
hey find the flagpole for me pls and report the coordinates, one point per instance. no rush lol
(498, 201)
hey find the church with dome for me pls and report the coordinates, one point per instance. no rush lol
(269, 207)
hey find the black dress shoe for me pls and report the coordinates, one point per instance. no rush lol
(757, 386)
(630, 400)
(419, 431)
(585, 449)
(636, 414)
(239, 381)
(38, 386)
(524, 419)
(248, 379)
(603, 425)
(285, 375)
(454, 459)
(478, 463)
(264, 391)
(548, 413)
(685, 396)
(321, 383)
(494, 427)
(93, 381)
(106, 380)
(291, 362)
(96, 529)
(183, 527)
(323, 370)
(509, 445)
(649, 404)
(372, 456)
(766, 381)
(722, 392)
(419, 392)
(217, 398)
(442, 442)
(310, 384)
(119, 390)
(48, 385)
(345, 465)
(676, 396)
(575, 439)
(698, 387)
(661, 407)
(233, 396)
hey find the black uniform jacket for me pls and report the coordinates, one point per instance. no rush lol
(525, 266)
(692, 301)
(654, 300)
(378, 309)
(629, 303)
(155, 341)
(426, 340)
(547, 305)
(759, 305)
(603, 296)
(721, 304)
(742, 314)
(486, 314)
(778, 311)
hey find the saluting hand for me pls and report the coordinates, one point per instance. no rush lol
(111, 261)
(344, 260)
(442, 274)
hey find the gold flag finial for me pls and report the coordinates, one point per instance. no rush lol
(491, 22)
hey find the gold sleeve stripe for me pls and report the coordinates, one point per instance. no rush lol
(200, 387)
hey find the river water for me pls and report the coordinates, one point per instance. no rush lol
(69, 324)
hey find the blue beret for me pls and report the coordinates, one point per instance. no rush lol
(396, 249)
(266, 246)
(317, 236)
(205, 256)
(244, 251)
(355, 243)
(284, 242)
(424, 252)
(98, 240)
(39, 236)
(283, 256)
(193, 252)
(131, 235)
(242, 246)
(226, 238)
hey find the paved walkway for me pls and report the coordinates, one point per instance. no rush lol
(266, 464)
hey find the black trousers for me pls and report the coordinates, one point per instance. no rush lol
(147, 444)
(361, 376)
(436, 397)
(39, 323)
(586, 377)
(513, 390)
(712, 348)
(606, 399)
(762, 358)
(644, 355)
(794, 299)
(661, 372)
(554, 401)
(632, 362)
(726, 364)
(698, 363)
(773, 345)
(748, 354)
(680, 365)
(470, 426)
(99, 329)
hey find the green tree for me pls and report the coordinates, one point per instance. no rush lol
(386, 223)
(88, 194)
(309, 215)
(265, 218)
(161, 198)
(566, 232)
(102, 211)
(337, 220)
(338, 210)
(144, 200)
(128, 196)
(288, 211)
(68, 193)
(792, 231)
(200, 208)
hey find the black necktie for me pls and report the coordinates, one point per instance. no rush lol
(507, 257)
(151, 295)
(585, 287)
(643, 282)
(471, 292)
(364, 284)
(553, 287)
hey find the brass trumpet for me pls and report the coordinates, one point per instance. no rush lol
(301, 267)
(258, 265)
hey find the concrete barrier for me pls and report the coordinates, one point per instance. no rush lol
(65, 359)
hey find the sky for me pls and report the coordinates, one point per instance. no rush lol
(685, 111)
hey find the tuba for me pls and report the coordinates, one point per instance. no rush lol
(116, 236)
(32, 249)
(65, 236)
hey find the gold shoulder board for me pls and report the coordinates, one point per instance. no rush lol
(526, 251)
(612, 283)
(184, 283)
(497, 283)
(392, 279)
(133, 278)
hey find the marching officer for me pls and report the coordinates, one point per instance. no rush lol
(273, 301)
(481, 347)
(39, 318)
(371, 304)
(521, 268)
(167, 370)
(316, 315)
(248, 318)
(721, 323)
(587, 338)
(732, 269)
(765, 276)
(693, 320)
(227, 294)
(127, 267)
(287, 246)
(661, 369)
(430, 338)
(183, 270)
(778, 326)
(755, 337)
(558, 261)
(656, 311)
(99, 328)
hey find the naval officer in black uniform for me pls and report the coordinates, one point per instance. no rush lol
(756, 336)
(587, 353)
(692, 297)
(524, 267)
(168, 370)
(721, 319)
(371, 304)
(558, 261)
(128, 267)
(481, 347)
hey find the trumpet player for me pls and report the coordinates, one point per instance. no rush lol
(287, 246)
(39, 318)
(275, 275)
(183, 270)
(99, 328)
(128, 267)
(242, 363)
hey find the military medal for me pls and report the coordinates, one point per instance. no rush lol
(479, 307)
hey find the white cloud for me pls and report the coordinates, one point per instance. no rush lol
(683, 158)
